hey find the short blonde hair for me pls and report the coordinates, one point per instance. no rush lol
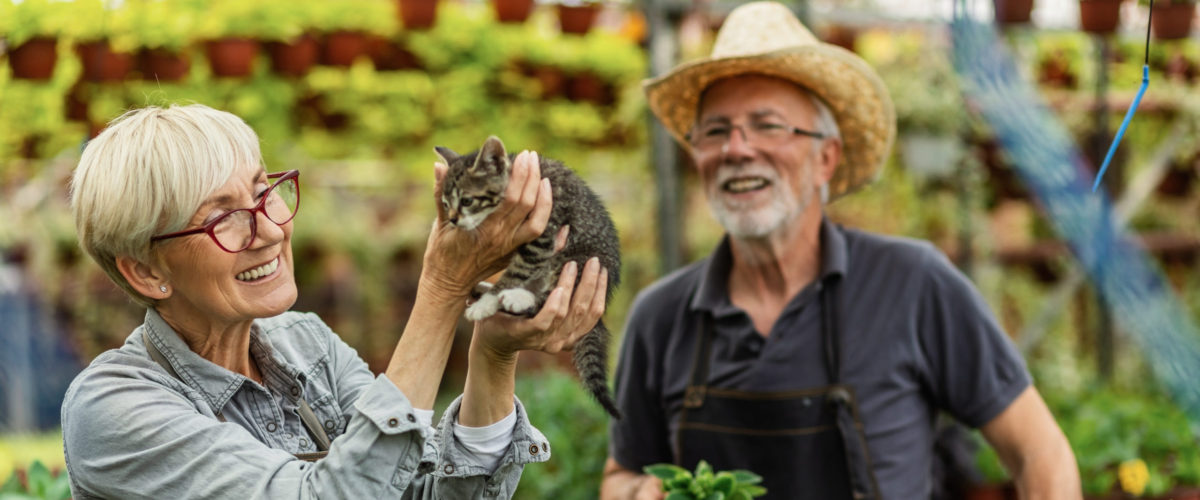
(147, 174)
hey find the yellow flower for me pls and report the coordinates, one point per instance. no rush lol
(1133, 475)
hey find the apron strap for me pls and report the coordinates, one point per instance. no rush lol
(307, 416)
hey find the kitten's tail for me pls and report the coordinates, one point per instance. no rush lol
(591, 360)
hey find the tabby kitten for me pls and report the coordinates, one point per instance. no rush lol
(474, 185)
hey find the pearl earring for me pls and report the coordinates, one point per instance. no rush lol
(162, 288)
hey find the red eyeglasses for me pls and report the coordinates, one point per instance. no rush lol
(235, 231)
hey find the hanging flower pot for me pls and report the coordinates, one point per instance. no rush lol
(295, 58)
(34, 59)
(163, 65)
(231, 57)
(587, 87)
(512, 11)
(101, 63)
(1012, 11)
(417, 14)
(577, 19)
(1173, 20)
(551, 80)
(75, 104)
(343, 47)
(392, 55)
(1099, 16)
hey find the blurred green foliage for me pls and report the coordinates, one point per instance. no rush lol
(38, 484)
(577, 429)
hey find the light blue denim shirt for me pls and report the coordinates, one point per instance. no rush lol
(131, 430)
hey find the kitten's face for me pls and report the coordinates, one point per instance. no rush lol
(474, 184)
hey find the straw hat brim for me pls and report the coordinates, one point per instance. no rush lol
(853, 91)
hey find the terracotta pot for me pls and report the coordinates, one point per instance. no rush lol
(1012, 11)
(577, 19)
(1172, 21)
(842, 36)
(392, 55)
(417, 14)
(101, 63)
(512, 11)
(1099, 16)
(35, 59)
(586, 87)
(75, 104)
(293, 58)
(163, 65)
(232, 57)
(343, 47)
(551, 80)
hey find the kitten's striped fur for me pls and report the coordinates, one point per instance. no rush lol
(474, 186)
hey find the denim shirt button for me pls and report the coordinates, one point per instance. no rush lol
(545, 446)
(392, 422)
(448, 469)
(329, 424)
(533, 449)
(303, 443)
(271, 427)
(412, 418)
(296, 390)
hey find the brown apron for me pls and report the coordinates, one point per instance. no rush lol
(311, 423)
(805, 443)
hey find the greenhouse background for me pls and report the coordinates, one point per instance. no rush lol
(356, 95)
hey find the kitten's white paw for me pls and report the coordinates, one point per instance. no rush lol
(482, 308)
(516, 300)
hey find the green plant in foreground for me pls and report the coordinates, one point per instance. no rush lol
(40, 484)
(704, 484)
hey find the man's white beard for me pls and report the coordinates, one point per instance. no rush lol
(746, 221)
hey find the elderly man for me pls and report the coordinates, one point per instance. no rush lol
(815, 355)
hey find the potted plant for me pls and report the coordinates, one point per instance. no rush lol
(102, 41)
(288, 38)
(512, 11)
(1172, 19)
(163, 31)
(1012, 11)
(1099, 16)
(417, 14)
(931, 117)
(347, 26)
(229, 30)
(31, 29)
(577, 16)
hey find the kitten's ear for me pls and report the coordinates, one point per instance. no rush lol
(446, 154)
(492, 155)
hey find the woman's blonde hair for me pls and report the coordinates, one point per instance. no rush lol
(147, 174)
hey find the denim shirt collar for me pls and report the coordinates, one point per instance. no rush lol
(712, 292)
(216, 383)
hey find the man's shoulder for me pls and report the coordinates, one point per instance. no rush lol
(866, 246)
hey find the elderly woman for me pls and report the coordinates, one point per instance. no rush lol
(223, 393)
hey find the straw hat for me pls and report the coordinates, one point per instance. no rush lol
(766, 38)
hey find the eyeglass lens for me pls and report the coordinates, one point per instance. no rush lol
(236, 230)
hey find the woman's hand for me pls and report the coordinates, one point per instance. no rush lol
(563, 320)
(456, 260)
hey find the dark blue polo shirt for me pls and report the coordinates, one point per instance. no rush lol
(917, 338)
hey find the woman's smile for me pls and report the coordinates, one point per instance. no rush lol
(260, 272)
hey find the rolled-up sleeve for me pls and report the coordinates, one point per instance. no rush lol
(458, 473)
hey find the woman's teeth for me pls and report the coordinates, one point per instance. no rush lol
(259, 271)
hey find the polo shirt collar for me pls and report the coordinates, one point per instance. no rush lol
(216, 383)
(712, 292)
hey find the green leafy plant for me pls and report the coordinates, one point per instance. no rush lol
(163, 24)
(33, 18)
(369, 16)
(39, 484)
(576, 429)
(705, 484)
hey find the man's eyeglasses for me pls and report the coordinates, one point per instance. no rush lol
(234, 231)
(763, 133)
